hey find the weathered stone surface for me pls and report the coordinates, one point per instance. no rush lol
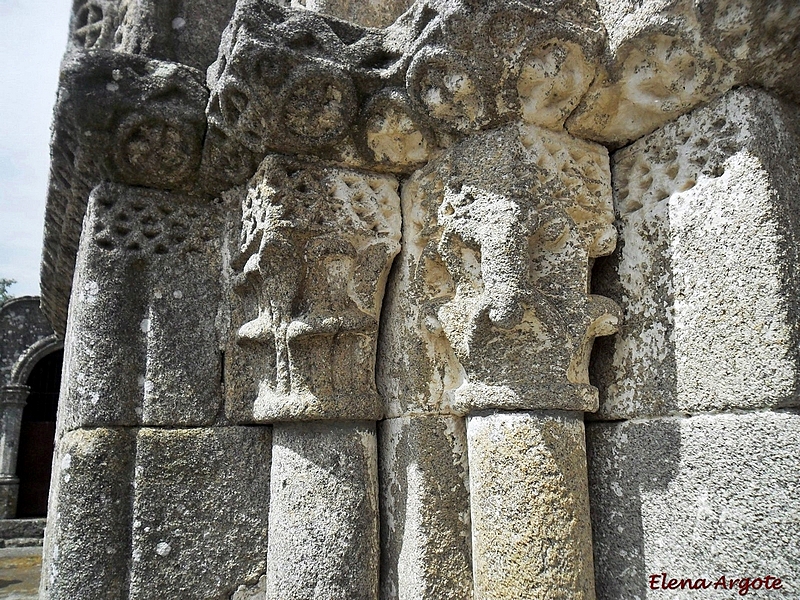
(315, 249)
(425, 526)
(491, 62)
(666, 57)
(761, 38)
(160, 361)
(707, 266)
(369, 13)
(200, 504)
(531, 533)
(296, 81)
(323, 524)
(87, 541)
(118, 118)
(252, 592)
(489, 306)
(271, 296)
(184, 31)
(697, 497)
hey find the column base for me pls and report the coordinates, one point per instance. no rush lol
(9, 491)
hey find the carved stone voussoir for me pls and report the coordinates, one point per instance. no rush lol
(665, 58)
(142, 118)
(495, 275)
(295, 81)
(183, 31)
(315, 250)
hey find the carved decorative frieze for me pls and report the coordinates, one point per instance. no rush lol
(665, 58)
(315, 249)
(293, 80)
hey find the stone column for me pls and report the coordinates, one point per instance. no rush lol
(323, 536)
(316, 245)
(530, 498)
(496, 278)
(12, 403)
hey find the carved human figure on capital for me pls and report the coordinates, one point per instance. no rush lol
(515, 239)
(316, 246)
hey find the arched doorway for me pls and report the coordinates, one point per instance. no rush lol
(37, 436)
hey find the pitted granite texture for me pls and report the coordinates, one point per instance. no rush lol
(696, 498)
(706, 269)
(231, 182)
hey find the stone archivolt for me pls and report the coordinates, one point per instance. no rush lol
(260, 205)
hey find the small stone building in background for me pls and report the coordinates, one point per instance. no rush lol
(31, 356)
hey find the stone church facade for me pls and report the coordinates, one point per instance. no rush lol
(442, 300)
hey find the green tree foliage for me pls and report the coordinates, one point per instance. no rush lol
(4, 285)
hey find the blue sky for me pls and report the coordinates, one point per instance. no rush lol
(33, 36)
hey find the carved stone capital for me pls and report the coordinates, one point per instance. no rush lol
(120, 118)
(145, 298)
(501, 233)
(315, 249)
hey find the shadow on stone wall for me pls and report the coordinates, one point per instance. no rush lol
(626, 461)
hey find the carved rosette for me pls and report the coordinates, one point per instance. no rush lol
(315, 249)
(295, 81)
(120, 118)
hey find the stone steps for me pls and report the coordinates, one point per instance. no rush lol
(21, 533)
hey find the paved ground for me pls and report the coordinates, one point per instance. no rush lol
(19, 573)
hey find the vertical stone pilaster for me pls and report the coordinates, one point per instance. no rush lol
(425, 522)
(699, 390)
(88, 536)
(12, 403)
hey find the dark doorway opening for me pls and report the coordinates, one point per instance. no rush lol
(37, 436)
